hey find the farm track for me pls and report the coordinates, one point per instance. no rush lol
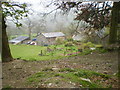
(15, 72)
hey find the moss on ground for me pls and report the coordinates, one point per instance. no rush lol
(69, 75)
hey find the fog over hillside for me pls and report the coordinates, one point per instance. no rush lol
(53, 21)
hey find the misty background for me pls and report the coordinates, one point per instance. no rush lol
(43, 17)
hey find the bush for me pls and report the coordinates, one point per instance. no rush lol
(77, 42)
(69, 44)
(102, 50)
(70, 39)
(90, 44)
(118, 74)
(86, 52)
(59, 41)
(98, 46)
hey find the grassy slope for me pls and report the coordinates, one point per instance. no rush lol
(58, 77)
(69, 75)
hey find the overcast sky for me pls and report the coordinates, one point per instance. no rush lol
(39, 6)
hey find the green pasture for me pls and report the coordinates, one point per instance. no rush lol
(30, 52)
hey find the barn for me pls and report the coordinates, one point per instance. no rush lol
(19, 40)
(49, 38)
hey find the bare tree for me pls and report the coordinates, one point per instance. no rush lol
(97, 14)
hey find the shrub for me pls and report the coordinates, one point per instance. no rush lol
(90, 44)
(118, 74)
(86, 52)
(98, 46)
(69, 39)
(69, 44)
(77, 42)
(101, 50)
(87, 45)
(59, 41)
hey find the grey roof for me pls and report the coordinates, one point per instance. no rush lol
(19, 39)
(53, 34)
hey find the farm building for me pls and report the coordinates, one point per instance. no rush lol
(19, 40)
(49, 38)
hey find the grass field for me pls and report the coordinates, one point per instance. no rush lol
(29, 52)
(32, 52)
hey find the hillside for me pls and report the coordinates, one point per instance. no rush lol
(93, 70)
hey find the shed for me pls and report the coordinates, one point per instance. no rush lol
(49, 38)
(20, 39)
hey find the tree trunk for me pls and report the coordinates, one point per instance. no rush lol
(114, 23)
(6, 54)
(30, 33)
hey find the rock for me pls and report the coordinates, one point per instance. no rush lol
(14, 67)
(80, 85)
(114, 73)
(29, 66)
(105, 72)
(54, 69)
(49, 84)
(74, 84)
(92, 48)
(17, 67)
(85, 79)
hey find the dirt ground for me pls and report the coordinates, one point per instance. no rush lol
(16, 72)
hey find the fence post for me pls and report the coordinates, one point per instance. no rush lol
(41, 53)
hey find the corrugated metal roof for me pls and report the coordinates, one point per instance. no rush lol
(19, 39)
(53, 34)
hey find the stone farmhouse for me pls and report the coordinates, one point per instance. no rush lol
(45, 39)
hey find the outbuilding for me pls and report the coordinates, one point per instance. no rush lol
(19, 40)
(49, 38)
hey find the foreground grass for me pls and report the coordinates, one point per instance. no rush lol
(73, 77)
